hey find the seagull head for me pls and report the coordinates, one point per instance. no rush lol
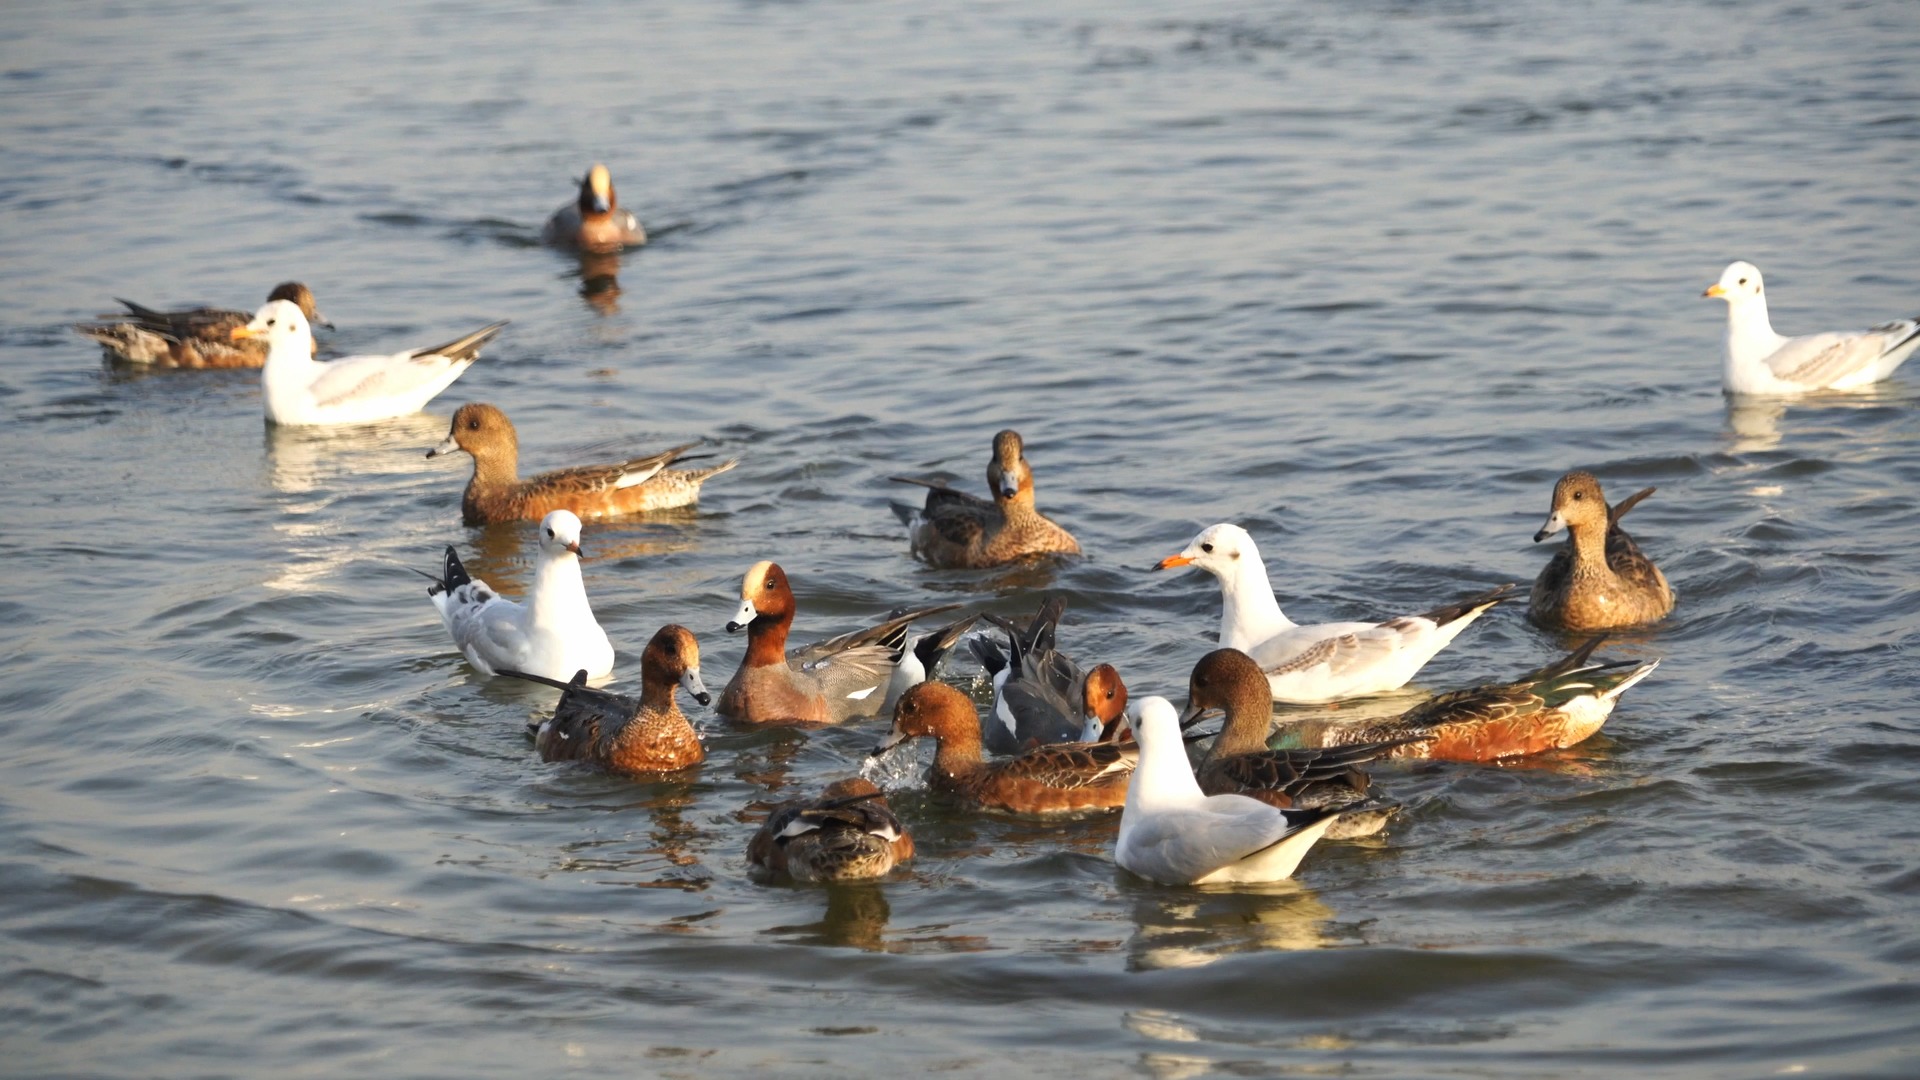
(1220, 550)
(560, 532)
(1739, 283)
(275, 322)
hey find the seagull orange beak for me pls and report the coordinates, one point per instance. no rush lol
(1172, 561)
(241, 333)
(1714, 290)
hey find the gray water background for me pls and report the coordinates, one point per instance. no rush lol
(1364, 277)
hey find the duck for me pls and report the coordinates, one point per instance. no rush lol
(194, 337)
(495, 492)
(849, 833)
(1036, 688)
(1046, 781)
(553, 634)
(958, 531)
(1174, 833)
(1759, 361)
(923, 657)
(1312, 665)
(1599, 580)
(1103, 705)
(594, 221)
(301, 391)
(829, 682)
(1549, 708)
(634, 736)
(1240, 762)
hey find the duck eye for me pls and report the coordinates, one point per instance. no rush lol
(1578, 495)
(1208, 548)
(473, 424)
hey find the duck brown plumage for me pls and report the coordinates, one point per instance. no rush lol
(193, 337)
(627, 735)
(496, 493)
(1599, 580)
(956, 530)
(594, 222)
(1066, 778)
(849, 833)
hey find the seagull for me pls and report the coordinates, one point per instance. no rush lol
(1760, 361)
(300, 390)
(553, 634)
(1173, 833)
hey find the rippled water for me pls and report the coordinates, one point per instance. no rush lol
(1364, 277)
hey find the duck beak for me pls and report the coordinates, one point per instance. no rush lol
(1192, 715)
(447, 446)
(894, 738)
(321, 320)
(1172, 561)
(690, 682)
(1555, 522)
(1714, 290)
(741, 618)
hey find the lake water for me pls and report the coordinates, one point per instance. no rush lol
(1364, 277)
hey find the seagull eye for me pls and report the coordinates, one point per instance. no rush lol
(549, 532)
(1743, 281)
(1208, 548)
(269, 322)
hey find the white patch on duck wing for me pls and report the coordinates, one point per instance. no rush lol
(1000, 710)
(862, 695)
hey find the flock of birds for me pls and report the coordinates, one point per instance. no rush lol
(1057, 740)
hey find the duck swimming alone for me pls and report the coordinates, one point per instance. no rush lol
(829, 682)
(956, 530)
(1309, 665)
(195, 337)
(594, 222)
(1174, 833)
(1241, 763)
(553, 634)
(299, 390)
(648, 734)
(1599, 580)
(496, 493)
(849, 833)
(1070, 778)
(1550, 708)
(1759, 361)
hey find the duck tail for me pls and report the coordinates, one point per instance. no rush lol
(1467, 610)
(1619, 510)
(701, 476)
(932, 648)
(988, 653)
(579, 679)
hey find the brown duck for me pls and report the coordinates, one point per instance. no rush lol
(1066, 778)
(594, 222)
(496, 493)
(828, 682)
(195, 337)
(956, 530)
(1241, 763)
(849, 833)
(621, 734)
(1599, 580)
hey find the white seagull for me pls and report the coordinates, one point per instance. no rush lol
(356, 389)
(1173, 833)
(553, 634)
(1308, 665)
(1760, 361)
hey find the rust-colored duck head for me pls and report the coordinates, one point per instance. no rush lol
(1103, 704)
(672, 659)
(1577, 504)
(764, 594)
(933, 710)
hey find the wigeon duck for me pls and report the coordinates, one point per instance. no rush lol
(299, 390)
(553, 634)
(648, 734)
(1599, 580)
(960, 531)
(1308, 665)
(496, 493)
(1241, 763)
(923, 657)
(195, 337)
(594, 222)
(1759, 361)
(1036, 688)
(1174, 833)
(1103, 705)
(825, 683)
(1070, 778)
(849, 833)
(1548, 709)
